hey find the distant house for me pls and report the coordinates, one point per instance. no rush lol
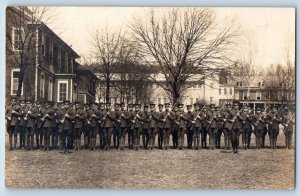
(87, 83)
(50, 73)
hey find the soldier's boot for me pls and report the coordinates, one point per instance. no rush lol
(15, 142)
(197, 143)
(271, 143)
(31, 143)
(10, 143)
(275, 143)
(76, 145)
(79, 144)
(257, 143)
(137, 144)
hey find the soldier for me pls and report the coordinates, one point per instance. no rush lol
(176, 126)
(87, 127)
(31, 116)
(60, 114)
(189, 126)
(39, 136)
(246, 127)
(168, 117)
(203, 118)
(146, 118)
(259, 126)
(117, 120)
(102, 113)
(220, 122)
(160, 127)
(93, 116)
(137, 126)
(288, 122)
(155, 120)
(236, 119)
(109, 119)
(130, 129)
(212, 121)
(67, 127)
(78, 126)
(22, 123)
(8, 110)
(13, 115)
(197, 126)
(265, 129)
(55, 127)
(227, 126)
(182, 126)
(124, 125)
(47, 118)
(273, 120)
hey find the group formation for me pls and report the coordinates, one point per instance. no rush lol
(65, 124)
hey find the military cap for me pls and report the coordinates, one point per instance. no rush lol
(108, 104)
(189, 106)
(86, 105)
(212, 105)
(180, 105)
(167, 104)
(130, 105)
(228, 104)
(23, 101)
(37, 103)
(217, 107)
(160, 105)
(28, 101)
(66, 102)
(258, 109)
(122, 104)
(146, 106)
(101, 104)
(137, 105)
(196, 104)
(235, 102)
(117, 104)
(76, 102)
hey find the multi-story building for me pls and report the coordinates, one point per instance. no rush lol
(50, 71)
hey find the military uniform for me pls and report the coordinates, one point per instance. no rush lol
(203, 118)
(220, 122)
(190, 126)
(94, 117)
(259, 126)
(124, 125)
(137, 126)
(102, 113)
(176, 127)
(55, 127)
(22, 125)
(146, 118)
(197, 127)
(38, 131)
(131, 114)
(161, 133)
(47, 118)
(117, 120)
(246, 128)
(78, 126)
(13, 113)
(288, 122)
(235, 131)
(227, 125)
(273, 120)
(108, 127)
(212, 121)
(183, 119)
(87, 127)
(67, 127)
(30, 125)
(168, 117)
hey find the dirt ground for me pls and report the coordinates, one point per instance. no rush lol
(157, 169)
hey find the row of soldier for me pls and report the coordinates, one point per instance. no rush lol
(65, 123)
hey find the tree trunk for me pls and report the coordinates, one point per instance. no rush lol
(107, 90)
(20, 80)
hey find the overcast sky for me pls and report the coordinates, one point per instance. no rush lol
(270, 30)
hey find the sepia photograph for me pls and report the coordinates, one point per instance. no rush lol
(150, 97)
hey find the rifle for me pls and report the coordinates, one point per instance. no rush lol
(263, 114)
(215, 116)
(290, 118)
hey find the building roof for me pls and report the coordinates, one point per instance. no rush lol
(44, 27)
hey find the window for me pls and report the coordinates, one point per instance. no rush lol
(51, 52)
(197, 100)
(50, 87)
(59, 59)
(62, 90)
(199, 85)
(245, 95)
(241, 83)
(268, 95)
(42, 85)
(15, 81)
(165, 100)
(211, 85)
(220, 91)
(230, 91)
(159, 101)
(192, 101)
(211, 99)
(17, 38)
(225, 91)
(259, 84)
(258, 95)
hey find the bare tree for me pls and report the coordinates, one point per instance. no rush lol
(21, 42)
(111, 48)
(183, 43)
